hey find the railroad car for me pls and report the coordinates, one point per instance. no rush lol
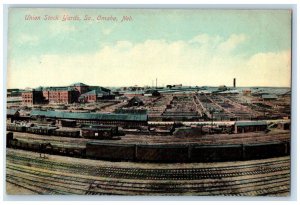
(13, 143)
(266, 150)
(34, 146)
(9, 138)
(15, 128)
(118, 152)
(162, 153)
(97, 133)
(114, 128)
(68, 123)
(216, 153)
(41, 130)
(66, 133)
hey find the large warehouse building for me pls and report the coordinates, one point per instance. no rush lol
(65, 94)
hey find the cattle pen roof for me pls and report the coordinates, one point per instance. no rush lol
(89, 116)
(250, 123)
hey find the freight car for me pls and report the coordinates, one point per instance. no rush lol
(185, 153)
(158, 152)
(9, 138)
(68, 123)
(97, 133)
(216, 153)
(162, 153)
(31, 146)
(72, 151)
(266, 150)
(113, 151)
(66, 133)
(114, 128)
(41, 130)
(15, 128)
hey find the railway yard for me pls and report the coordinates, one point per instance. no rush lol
(65, 175)
(195, 143)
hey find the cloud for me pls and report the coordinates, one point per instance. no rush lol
(28, 39)
(202, 60)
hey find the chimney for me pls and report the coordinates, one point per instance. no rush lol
(234, 82)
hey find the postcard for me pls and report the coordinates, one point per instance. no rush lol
(151, 102)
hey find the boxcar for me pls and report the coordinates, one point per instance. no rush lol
(261, 151)
(66, 133)
(216, 153)
(97, 133)
(15, 128)
(68, 123)
(119, 152)
(162, 153)
(9, 138)
(41, 130)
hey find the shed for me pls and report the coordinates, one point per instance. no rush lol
(153, 93)
(12, 114)
(68, 123)
(250, 126)
(96, 118)
(135, 101)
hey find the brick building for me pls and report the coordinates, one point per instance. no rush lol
(50, 95)
(97, 94)
(66, 94)
(81, 87)
(32, 97)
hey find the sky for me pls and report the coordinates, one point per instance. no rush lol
(188, 46)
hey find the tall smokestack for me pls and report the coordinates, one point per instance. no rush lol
(234, 82)
(156, 84)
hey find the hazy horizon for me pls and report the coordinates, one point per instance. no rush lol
(189, 47)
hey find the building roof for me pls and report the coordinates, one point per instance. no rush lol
(78, 84)
(57, 88)
(99, 88)
(269, 96)
(12, 111)
(96, 92)
(250, 123)
(136, 99)
(151, 91)
(131, 111)
(90, 116)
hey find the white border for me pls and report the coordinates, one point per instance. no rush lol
(161, 4)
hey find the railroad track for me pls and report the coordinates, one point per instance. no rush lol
(159, 174)
(46, 176)
(49, 182)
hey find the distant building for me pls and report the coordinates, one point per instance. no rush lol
(153, 93)
(135, 101)
(123, 120)
(95, 95)
(12, 114)
(32, 97)
(249, 126)
(247, 92)
(269, 97)
(65, 94)
(222, 88)
(14, 93)
(81, 87)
